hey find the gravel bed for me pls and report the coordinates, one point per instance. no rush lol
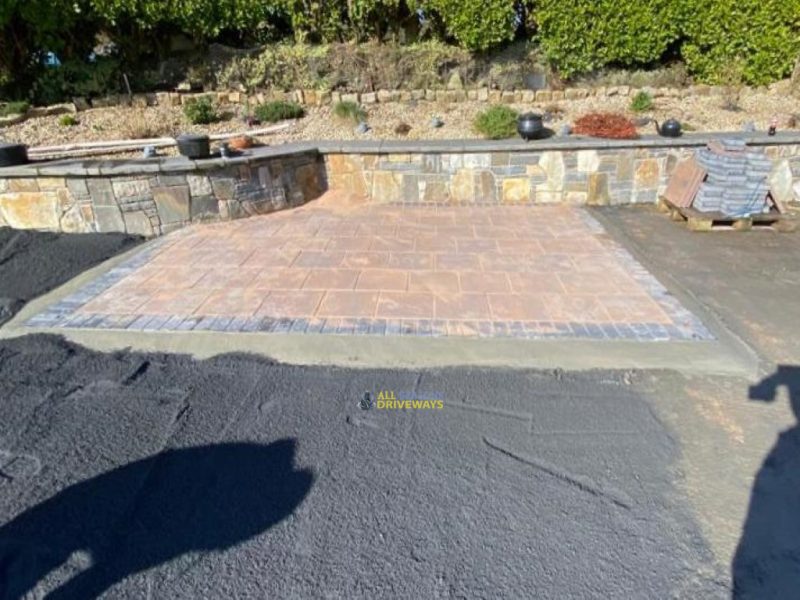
(35, 262)
(701, 113)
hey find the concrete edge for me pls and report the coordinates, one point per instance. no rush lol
(362, 351)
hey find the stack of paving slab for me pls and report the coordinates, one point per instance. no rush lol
(737, 179)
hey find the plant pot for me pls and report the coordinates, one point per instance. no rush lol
(242, 142)
(13, 154)
(194, 146)
(530, 126)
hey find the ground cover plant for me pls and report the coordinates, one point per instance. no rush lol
(642, 102)
(14, 108)
(497, 123)
(272, 112)
(201, 111)
(67, 121)
(349, 111)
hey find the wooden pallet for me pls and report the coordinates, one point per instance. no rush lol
(716, 221)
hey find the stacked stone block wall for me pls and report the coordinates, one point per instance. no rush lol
(154, 204)
(587, 176)
(309, 97)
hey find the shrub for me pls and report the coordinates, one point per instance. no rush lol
(642, 102)
(580, 36)
(14, 108)
(272, 112)
(763, 34)
(77, 79)
(731, 77)
(203, 19)
(138, 127)
(606, 125)
(672, 75)
(497, 122)
(358, 67)
(349, 111)
(201, 111)
(477, 25)
(30, 29)
(67, 121)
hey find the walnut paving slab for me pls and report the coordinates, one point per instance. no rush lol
(486, 271)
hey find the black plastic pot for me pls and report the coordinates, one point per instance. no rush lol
(670, 128)
(194, 146)
(530, 126)
(13, 154)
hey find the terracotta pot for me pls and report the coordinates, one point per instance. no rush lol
(241, 142)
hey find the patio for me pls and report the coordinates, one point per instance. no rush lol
(336, 267)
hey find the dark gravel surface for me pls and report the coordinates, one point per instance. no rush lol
(129, 475)
(750, 280)
(157, 475)
(33, 262)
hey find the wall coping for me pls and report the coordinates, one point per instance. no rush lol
(133, 167)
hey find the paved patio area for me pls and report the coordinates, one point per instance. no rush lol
(328, 267)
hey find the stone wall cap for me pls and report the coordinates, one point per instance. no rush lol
(111, 167)
(572, 142)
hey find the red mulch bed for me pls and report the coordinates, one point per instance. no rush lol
(606, 125)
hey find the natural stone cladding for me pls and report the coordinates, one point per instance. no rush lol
(132, 198)
(153, 197)
(582, 176)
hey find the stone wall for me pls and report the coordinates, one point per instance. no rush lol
(135, 201)
(581, 176)
(310, 97)
(154, 196)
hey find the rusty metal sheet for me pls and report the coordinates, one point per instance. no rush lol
(684, 183)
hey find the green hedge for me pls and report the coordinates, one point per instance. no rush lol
(760, 38)
(764, 35)
(477, 25)
(579, 36)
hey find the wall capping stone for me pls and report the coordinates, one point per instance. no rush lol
(117, 167)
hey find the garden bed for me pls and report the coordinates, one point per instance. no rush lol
(700, 113)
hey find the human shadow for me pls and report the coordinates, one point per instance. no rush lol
(151, 511)
(767, 560)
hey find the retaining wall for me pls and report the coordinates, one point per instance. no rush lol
(154, 196)
(566, 170)
(151, 198)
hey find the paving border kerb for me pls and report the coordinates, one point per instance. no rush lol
(719, 356)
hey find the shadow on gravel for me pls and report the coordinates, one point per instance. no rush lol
(135, 517)
(767, 561)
